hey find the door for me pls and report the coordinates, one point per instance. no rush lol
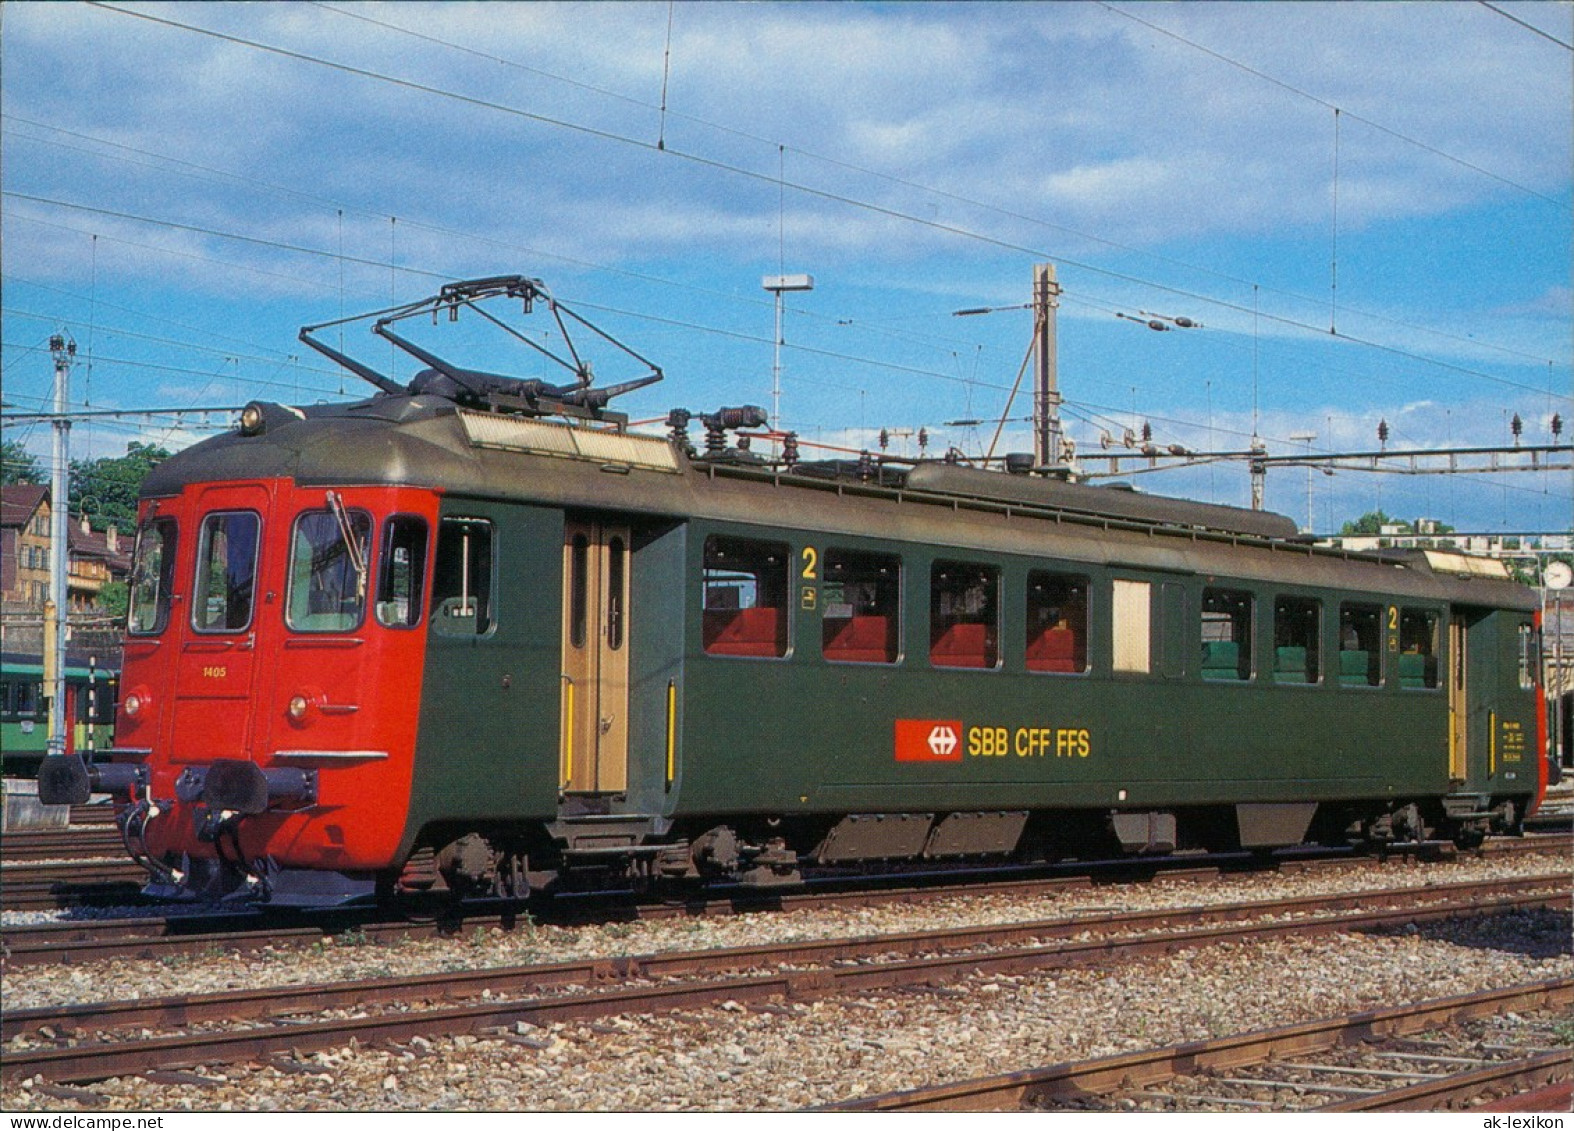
(596, 566)
(1458, 701)
(216, 670)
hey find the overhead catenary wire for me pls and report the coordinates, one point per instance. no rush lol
(764, 177)
(904, 182)
(918, 369)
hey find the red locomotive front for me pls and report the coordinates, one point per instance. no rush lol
(272, 683)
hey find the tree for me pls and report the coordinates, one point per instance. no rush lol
(107, 488)
(1372, 522)
(18, 465)
(114, 599)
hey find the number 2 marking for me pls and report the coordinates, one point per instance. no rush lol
(811, 563)
(1393, 618)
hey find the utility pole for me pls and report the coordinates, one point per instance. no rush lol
(1048, 442)
(64, 351)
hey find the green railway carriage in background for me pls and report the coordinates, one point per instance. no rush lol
(457, 644)
(24, 709)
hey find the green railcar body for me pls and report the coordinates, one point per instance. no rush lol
(713, 739)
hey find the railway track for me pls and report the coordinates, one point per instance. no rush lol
(87, 1042)
(80, 883)
(249, 930)
(87, 843)
(1419, 1057)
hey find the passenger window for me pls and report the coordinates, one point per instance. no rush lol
(152, 574)
(327, 583)
(1132, 615)
(745, 597)
(1360, 645)
(1297, 637)
(226, 572)
(462, 578)
(1057, 622)
(964, 615)
(1226, 634)
(1418, 636)
(401, 576)
(862, 599)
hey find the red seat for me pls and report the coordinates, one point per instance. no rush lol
(964, 646)
(868, 640)
(1056, 650)
(745, 632)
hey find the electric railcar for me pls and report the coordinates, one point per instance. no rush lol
(474, 634)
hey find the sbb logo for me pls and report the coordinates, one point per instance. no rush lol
(928, 740)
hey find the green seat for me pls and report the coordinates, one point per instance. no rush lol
(1412, 670)
(1221, 659)
(1355, 667)
(1291, 661)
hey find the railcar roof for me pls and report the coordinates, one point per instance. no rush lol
(426, 441)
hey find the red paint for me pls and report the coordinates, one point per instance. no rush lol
(1542, 753)
(928, 740)
(225, 694)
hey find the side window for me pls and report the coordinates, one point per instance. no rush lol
(1297, 639)
(401, 575)
(1360, 645)
(1226, 634)
(226, 572)
(745, 597)
(1132, 616)
(863, 603)
(1418, 634)
(152, 574)
(1057, 622)
(7, 705)
(327, 584)
(462, 578)
(964, 615)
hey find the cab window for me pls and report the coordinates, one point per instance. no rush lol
(327, 589)
(152, 574)
(226, 572)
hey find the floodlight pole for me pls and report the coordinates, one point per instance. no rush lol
(777, 285)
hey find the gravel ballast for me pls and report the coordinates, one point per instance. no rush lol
(793, 1054)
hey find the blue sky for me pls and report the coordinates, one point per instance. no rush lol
(181, 199)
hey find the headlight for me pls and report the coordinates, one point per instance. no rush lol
(251, 419)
